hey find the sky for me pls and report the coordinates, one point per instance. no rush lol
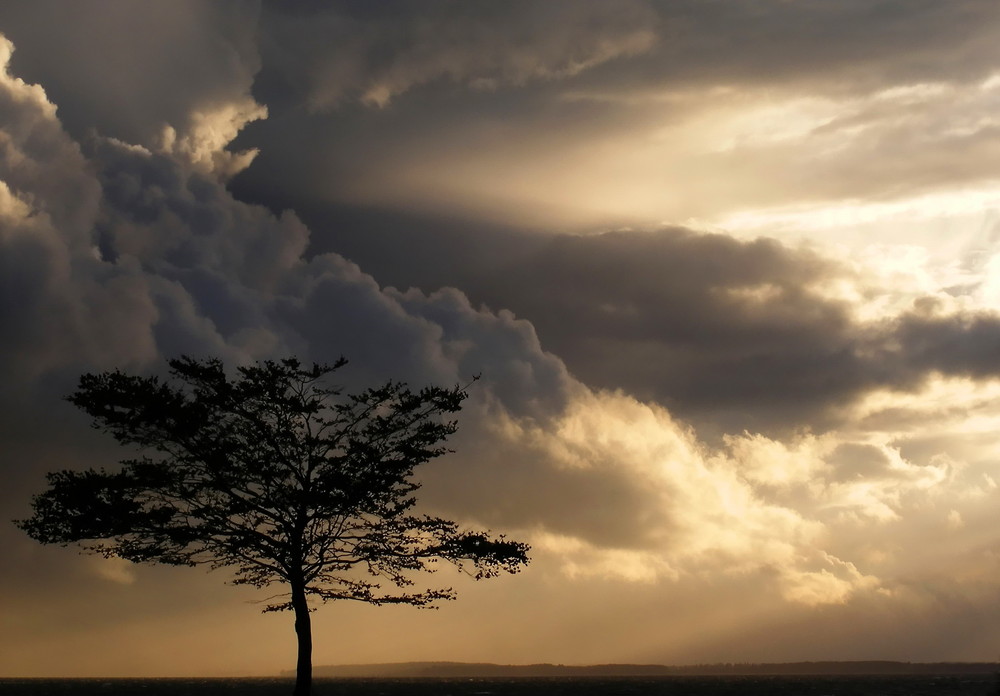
(730, 272)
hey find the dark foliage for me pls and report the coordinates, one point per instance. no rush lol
(274, 475)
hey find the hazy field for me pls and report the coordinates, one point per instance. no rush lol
(963, 685)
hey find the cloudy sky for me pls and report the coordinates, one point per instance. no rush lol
(730, 272)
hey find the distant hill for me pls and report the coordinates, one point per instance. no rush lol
(461, 670)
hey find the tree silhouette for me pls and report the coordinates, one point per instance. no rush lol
(275, 475)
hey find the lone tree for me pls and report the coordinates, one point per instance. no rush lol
(275, 475)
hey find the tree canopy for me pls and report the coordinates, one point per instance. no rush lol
(275, 475)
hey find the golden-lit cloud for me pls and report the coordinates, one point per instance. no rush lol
(709, 512)
(210, 132)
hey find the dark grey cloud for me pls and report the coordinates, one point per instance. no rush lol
(385, 50)
(659, 314)
(854, 43)
(966, 345)
(127, 69)
(326, 53)
(730, 334)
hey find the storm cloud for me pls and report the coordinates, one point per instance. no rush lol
(735, 367)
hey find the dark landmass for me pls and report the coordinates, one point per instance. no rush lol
(410, 670)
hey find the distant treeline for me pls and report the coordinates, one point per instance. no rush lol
(407, 670)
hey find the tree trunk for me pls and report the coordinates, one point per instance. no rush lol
(303, 630)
